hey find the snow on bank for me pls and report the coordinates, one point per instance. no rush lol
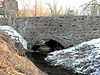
(14, 35)
(83, 58)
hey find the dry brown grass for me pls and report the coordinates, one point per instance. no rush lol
(13, 64)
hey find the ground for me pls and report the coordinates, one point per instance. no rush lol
(83, 58)
(13, 64)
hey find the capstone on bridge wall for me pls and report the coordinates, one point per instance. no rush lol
(69, 30)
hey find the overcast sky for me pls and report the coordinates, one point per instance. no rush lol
(73, 4)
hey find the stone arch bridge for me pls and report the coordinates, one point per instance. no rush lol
(68, 31)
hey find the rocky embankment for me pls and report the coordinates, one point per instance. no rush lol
(11, 60)
(83, 58)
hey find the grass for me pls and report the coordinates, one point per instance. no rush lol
(13, 64)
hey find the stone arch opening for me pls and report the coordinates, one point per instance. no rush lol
(48, 37)
(45, 46)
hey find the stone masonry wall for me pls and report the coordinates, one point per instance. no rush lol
(68, 31)
(10, 8)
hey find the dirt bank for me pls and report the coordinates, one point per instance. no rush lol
(13, 64)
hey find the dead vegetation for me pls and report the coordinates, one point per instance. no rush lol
(13, 64)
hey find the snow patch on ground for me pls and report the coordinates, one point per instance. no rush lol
(14, 35)
(83, 58)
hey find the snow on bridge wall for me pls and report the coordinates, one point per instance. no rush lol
(68, 31)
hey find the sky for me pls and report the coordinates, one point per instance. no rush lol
(73, 4)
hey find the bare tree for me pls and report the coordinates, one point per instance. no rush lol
(91, 8)
(35, 7)
(38, 9)
(54, 9)
(70, 12)
(22, 12)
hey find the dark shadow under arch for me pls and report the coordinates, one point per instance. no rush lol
(50, 37)
(54, 45)
(46, 46)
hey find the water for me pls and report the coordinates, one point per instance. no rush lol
(38, 60)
